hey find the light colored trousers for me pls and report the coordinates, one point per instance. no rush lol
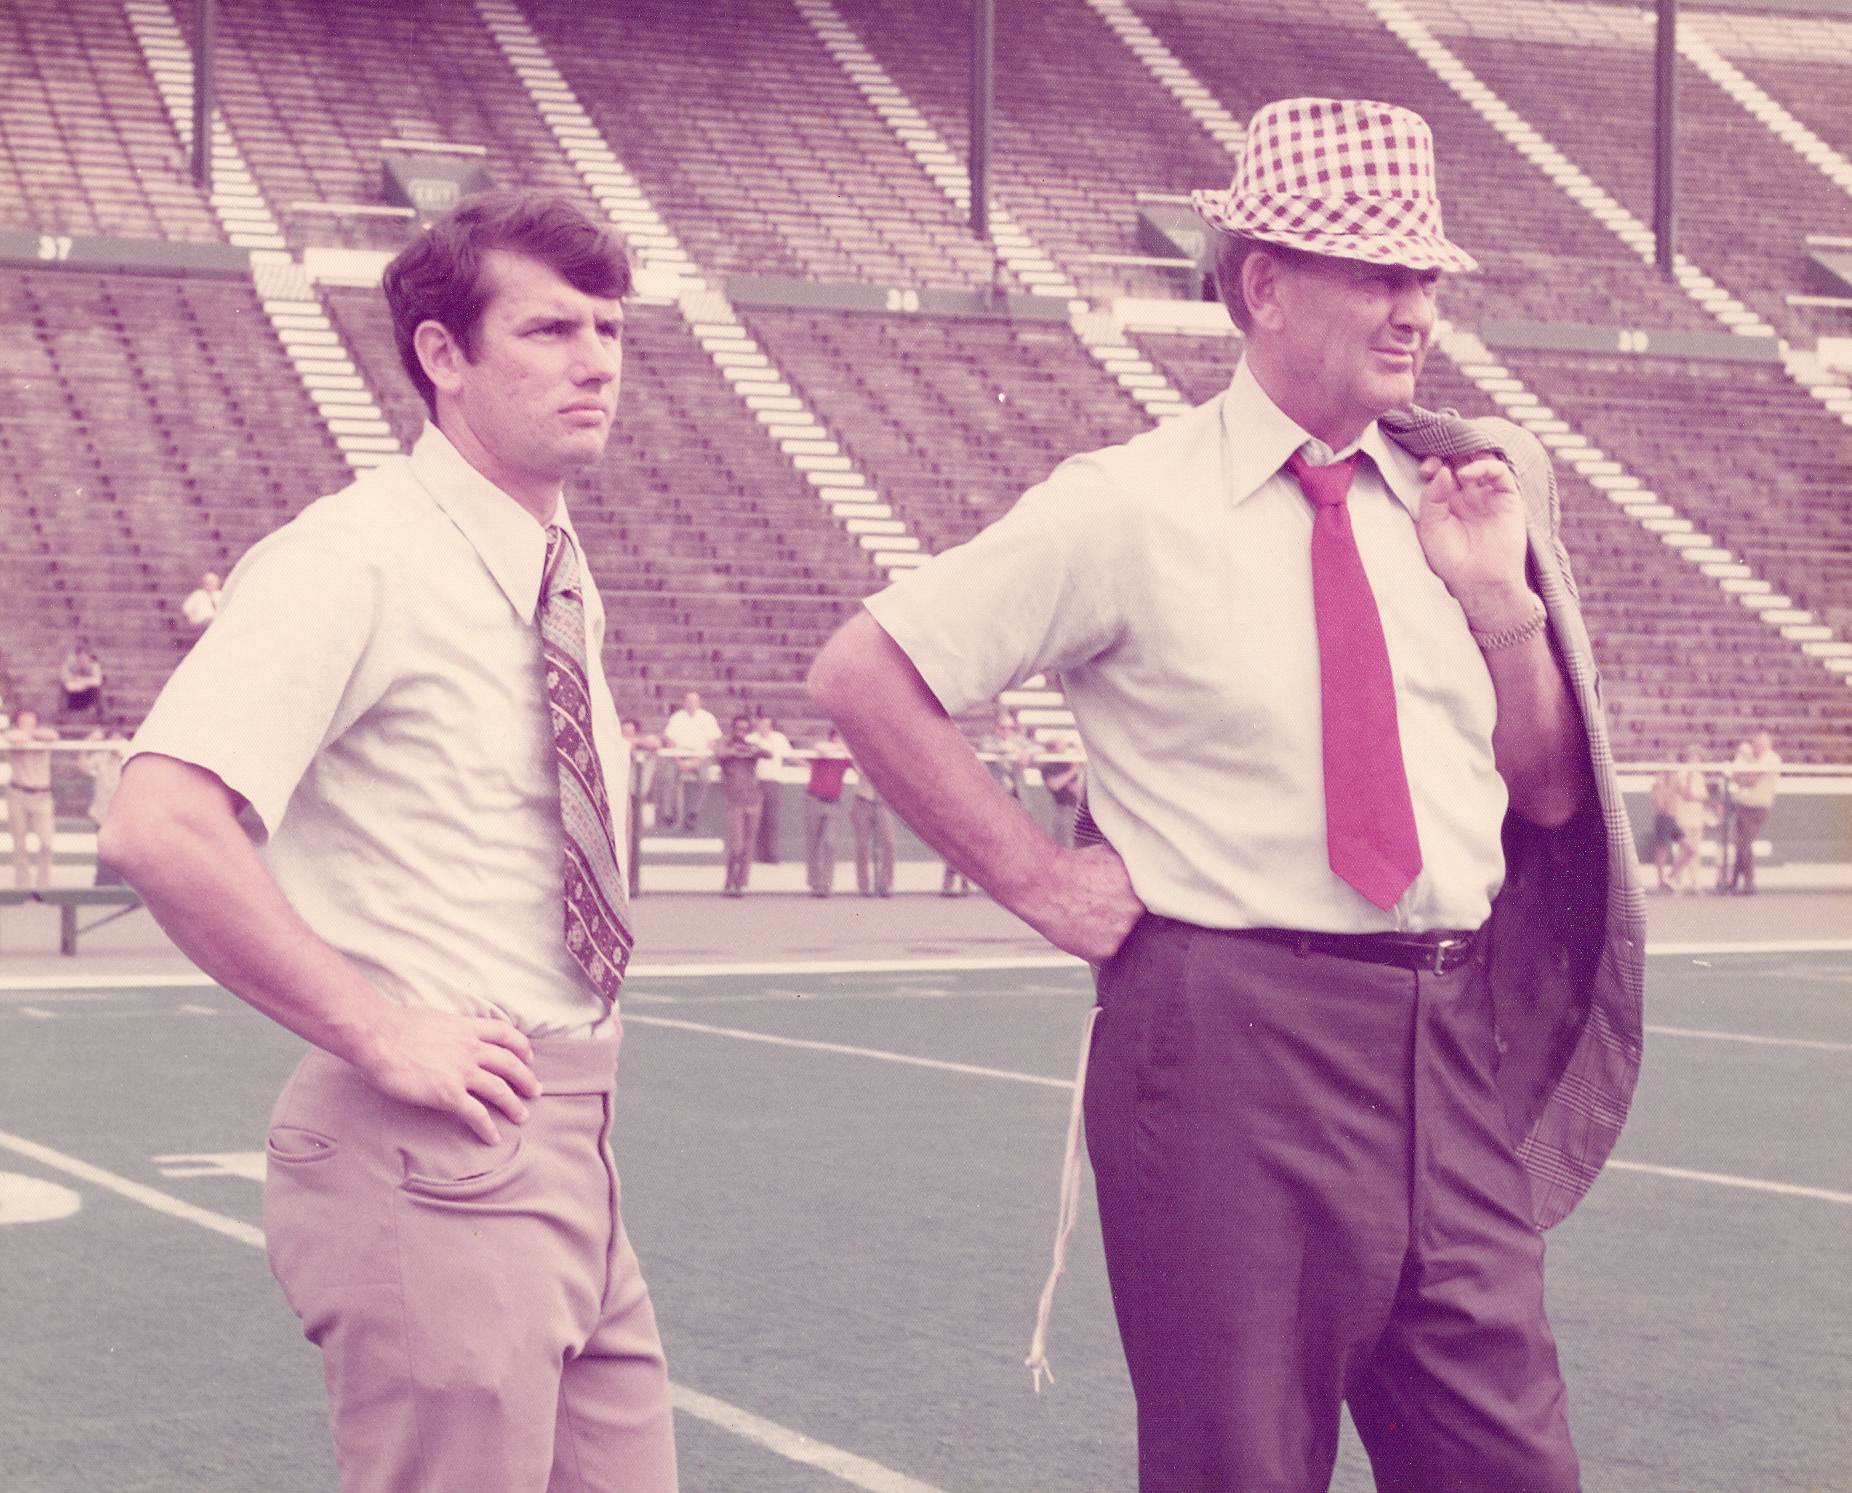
(873, 824)
(30, 811)
(481, 1315)
(820, 818)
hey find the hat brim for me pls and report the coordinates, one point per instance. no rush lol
(1407, 248)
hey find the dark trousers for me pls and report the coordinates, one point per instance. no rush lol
(1749, 823)
(1308, 1197)
(771, 795)
(742, 830)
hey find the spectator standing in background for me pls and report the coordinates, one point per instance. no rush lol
(643, 760)
(29, 808)
(873, 826)
(738, 757)
(1754, 779)
(1066, 782)
(81, 678)
(693, 731)
(1668, 836)
(1007, 753)
(1690, 800)
(829, 764)
(771, 786)
(104, 765)
(202, 605)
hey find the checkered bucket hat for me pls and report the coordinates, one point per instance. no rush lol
(1345, 177)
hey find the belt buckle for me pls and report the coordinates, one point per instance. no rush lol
(1442, 948)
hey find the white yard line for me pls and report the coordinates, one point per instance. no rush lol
(148, 1197)
(1683, 1031)
(848, 1051)
(857, 1471)
(1723, 1179)
(1763, 946)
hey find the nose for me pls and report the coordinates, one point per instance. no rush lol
(1414, 306)
(600, 359)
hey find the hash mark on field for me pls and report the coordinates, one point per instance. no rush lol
(1681, 1031)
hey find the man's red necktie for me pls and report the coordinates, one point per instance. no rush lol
(1369, 817)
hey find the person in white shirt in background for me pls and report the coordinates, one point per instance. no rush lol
(771, 786)
(29, 807)
(202, 605)
(691, 730)
(80, 677)
(1754, 781)
(368, 840)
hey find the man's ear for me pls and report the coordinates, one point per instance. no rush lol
(440, 354)
(1261, 277)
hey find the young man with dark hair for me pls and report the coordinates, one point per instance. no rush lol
(423, 744)
(1369, 947)
(444, 275)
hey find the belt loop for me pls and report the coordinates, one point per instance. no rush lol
(1304, 947)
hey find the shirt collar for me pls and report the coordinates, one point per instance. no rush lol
(1268, 436)
(504, 535)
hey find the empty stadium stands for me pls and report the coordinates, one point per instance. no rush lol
(1746, 200)
(951, 419)
(85, 142)
(310, 88)
(755, 146)
(1080, 126)
(1744, 453)
(153, 431)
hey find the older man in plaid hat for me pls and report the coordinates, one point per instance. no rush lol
(1361, 906)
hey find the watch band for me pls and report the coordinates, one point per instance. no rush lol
(1492, 642)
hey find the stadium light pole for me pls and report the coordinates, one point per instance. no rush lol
(205, 14)
(1665, 134)
(983, 94)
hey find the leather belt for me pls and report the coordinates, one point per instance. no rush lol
(1439, 953)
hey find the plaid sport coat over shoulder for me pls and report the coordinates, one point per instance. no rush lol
(1567, 936)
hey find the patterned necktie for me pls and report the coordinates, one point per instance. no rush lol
(596, 906)
(1369, 817)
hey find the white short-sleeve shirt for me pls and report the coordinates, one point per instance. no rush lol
(372, 686)
(1169, 582)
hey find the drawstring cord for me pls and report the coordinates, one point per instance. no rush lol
(1037, 1361)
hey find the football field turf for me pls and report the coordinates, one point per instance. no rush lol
(842, 1185)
